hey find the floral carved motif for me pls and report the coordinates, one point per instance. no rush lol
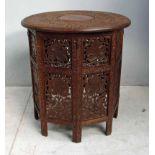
(95, 95)
(58, 96)
(96, 51)
(57, 52)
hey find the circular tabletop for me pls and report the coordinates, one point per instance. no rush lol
(76, 21)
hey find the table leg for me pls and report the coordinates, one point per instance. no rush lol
(109, 127)
(44, 130)
(77, 90)
(77, 130)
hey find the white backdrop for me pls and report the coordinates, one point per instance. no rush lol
(135, 67)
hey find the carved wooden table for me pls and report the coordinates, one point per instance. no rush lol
(76, 65)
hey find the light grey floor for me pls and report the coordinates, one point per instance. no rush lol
(129, 136)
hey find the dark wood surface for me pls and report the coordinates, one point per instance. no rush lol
(76, 76)
(76, 21)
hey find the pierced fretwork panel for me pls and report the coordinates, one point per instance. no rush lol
(95, 95)
(58, 96)
(57, 52)
(96, 51)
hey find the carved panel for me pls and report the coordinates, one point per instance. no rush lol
(58, 96)
(57, 52)
(95, 95)
(96, 51)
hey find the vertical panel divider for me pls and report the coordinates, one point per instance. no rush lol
(41, 83)
(112, 84)
(76, 89)
(118, 70)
